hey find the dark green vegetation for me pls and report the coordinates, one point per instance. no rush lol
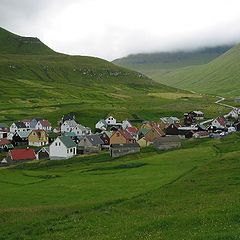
(189, 193)
(215, 72)
(51, 84)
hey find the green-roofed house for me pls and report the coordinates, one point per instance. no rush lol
(62, 148)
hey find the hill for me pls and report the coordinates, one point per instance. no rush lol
(36, 81)
(150, 195)
(13, 44)
(154, 63)
(219, 77)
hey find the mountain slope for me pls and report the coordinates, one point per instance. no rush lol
(36, 81)
(154, 62)
(13, 44)
(220, 76)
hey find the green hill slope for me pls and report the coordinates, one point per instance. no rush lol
(13, 44)
(189, 193)
(154, 63)
(220, 77)
(35, 81)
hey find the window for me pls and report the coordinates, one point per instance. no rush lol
(56, 143)
(59, 144)
(67, 151)
(71, 150)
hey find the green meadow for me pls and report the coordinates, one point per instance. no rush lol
(189, 193)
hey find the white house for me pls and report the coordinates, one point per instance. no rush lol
(43, 125)
(62, 148)
(18, 127)
(101, 124)
(219, 122)
(126, 124)
(80, 130)
(111, 120)
(68, 126)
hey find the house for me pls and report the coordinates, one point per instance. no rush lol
(4, 127)
(237, 126)
(133, 131)
(219, 123)
(67, 117)
(143, 142)
(68, 126)
(148, 125)
(198, 115)
(18, 127)
(3, 134)
(105, 136)
(62, 148)
(72, 135)
(154, 133)
(168, 142)
(80, 130)
(101, 125)
(169, 120)
(142, 132)
(172, 129)
(233, 114)
(5, 145)
(111, 120)
(42, 153)
(27, 122)
(121, 136)
(38, 138)
(21, 138)
(201, 134)
(90, 144)
(18, 155)
(43, 124)
(126, 124)
(187, 132)
(118, 150)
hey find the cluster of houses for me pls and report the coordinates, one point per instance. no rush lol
(35, 138)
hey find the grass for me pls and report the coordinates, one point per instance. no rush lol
(189, 193)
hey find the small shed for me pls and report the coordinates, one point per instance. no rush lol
(43, 153)
(118, 150)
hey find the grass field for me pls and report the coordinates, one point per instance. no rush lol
(190, 193)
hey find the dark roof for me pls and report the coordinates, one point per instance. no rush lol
(67, 141)
(95, 139)
(20, 124)
(123, 145)
(69, 116)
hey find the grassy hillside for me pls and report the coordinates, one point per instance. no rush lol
(220, 77)
(190, 193)
(155, 63)
(14, 44)
(35, 81)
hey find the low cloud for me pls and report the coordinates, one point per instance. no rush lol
(112, 29)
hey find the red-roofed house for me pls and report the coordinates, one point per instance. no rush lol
(22, 155)
(122, 136)
(219, 122)
(133, 131)
(43, 125)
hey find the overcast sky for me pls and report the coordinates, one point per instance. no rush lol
(114, 28)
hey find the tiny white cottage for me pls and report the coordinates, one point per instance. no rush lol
(62, 148)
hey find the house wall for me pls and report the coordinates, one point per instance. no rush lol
(167, 146)
(117, 138)
(118, 152)
(59, 151)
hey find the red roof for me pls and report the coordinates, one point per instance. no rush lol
(126, 134)
(132, 130)
(22, 154)
(4, 142)
(221, 120)
(45, 123)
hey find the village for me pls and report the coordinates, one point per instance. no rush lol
(35, 139)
